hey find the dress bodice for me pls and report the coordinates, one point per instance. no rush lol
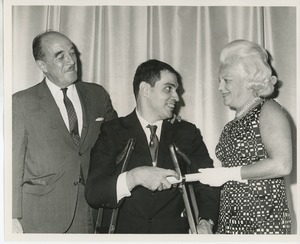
(240, 142)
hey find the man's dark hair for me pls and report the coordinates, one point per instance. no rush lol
(37, 44)
(149, 72)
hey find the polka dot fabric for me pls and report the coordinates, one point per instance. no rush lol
(260, 206)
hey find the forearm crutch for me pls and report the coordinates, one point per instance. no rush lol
(191, 209)
(128, 151)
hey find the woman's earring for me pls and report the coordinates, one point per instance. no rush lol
(273, 80)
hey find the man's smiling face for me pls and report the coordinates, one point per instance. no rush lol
(60, 61)
(163, 96)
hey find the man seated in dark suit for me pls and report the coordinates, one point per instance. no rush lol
(55, 125)
(147, 201)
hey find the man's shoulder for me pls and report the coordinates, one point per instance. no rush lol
(120, 123)
(122, 120)
(92, 90)
(183, 128)
(116, 128)
(179, 122)
(29, 92)
(90, 86)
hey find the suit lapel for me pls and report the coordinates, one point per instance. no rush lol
(49, 105)
(84, 100)
(135, 130)
(166, 138)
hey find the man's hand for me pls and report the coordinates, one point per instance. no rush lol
(152, 178)
(16, 226)
(173, 119)
(204, 227)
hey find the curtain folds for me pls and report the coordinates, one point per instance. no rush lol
(114, 40)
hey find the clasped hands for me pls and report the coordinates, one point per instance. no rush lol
(155, 178)
(152, 178)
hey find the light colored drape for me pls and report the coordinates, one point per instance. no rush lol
(114, 40)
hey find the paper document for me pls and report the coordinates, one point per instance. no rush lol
(188, 178)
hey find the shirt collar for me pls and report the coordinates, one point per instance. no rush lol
(144, 124)
(56, 89)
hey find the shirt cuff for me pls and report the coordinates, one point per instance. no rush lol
(122, 188)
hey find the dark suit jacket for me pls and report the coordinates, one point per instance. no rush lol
(46, 161)
(146, 211)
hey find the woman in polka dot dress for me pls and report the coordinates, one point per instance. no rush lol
(255, 148)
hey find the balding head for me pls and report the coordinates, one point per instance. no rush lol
(39, 40)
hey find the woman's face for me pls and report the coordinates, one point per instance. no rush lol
(233, 86)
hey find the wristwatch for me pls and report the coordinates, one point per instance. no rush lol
(209, 221)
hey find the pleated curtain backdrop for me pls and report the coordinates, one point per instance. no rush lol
(114, 40)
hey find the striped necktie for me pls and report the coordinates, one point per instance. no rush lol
(153, 145)
(73, 122)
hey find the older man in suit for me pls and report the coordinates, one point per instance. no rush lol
(55, 125)
(146, 199)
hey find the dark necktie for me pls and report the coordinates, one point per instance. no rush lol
(73, 123)
(153, 145)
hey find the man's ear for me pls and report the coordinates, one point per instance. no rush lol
(42, 66)
(144, 88)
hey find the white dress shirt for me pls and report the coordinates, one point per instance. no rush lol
(59, 99)
(122, 188)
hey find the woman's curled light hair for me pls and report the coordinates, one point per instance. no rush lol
(254, 61)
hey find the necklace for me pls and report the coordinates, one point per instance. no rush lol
(247, 106)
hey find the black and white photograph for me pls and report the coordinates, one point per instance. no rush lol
(150, 121)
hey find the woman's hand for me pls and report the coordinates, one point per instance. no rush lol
(219, 176)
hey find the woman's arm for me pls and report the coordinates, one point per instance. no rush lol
(276, 136)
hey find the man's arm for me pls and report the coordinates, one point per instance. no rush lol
(19, 143)
(101, 188)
